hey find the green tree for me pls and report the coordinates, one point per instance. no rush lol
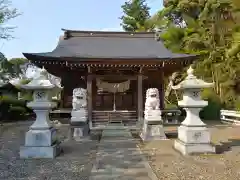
(6, 13)
(136, 14)
(6, 68)
(209, 29)
(19, 66)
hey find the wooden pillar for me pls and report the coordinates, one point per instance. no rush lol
(162, 91)
(62, 92)
(89, 96)
(140, 96)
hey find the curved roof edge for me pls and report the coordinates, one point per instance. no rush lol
(49, 56)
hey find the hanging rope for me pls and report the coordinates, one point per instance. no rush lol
(113, 87)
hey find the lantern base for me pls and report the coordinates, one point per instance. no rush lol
(194, 140)
(40, 144)
(31, 152)
(192, 149)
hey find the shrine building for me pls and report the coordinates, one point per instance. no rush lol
(116, 68)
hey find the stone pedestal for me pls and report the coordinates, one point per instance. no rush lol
(40, 144)
(41, 140)
(193, 135)
(194, 140)
(79, 124)
(79, 116)
(80, 131)
(152, 126)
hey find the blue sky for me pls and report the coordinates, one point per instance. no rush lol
(39, 26)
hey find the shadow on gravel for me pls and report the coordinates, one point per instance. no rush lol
(169, 135)
(227, 146)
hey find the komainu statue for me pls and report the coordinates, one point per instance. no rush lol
(153, 124)
(79, 114)
(152, 99)
(79, 98)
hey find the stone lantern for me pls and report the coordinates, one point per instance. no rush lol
(41, 139)
(193, 135)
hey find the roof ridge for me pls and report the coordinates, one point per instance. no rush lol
(105, 32)
(74, 33)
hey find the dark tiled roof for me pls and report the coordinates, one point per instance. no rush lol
(110, 45)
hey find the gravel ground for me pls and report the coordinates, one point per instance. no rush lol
(74, 164)
(77, 159)
(171, 165)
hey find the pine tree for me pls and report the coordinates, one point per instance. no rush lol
(136, 14)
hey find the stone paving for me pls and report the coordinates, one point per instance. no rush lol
(118, 157)
(75, 164)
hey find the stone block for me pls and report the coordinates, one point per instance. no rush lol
(153, 131)
(194, 134)
(193, 148)
(79, 131)
(79, 116)
(193, 140)
(41, 137)
(78, 119)
(79, 113)
(153, 115)
(40, 152)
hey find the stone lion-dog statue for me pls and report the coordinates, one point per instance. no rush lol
(79, 99)
(152, 99)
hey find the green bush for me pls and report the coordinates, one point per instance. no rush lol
(212, 111)
(17, 113)
(26, 96)
(13, 101)
(12, 108)
(171, 106)
(19, 109)
(237, 104)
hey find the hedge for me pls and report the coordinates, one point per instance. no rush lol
(13, 109)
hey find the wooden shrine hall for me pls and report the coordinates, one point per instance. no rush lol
(116, 68)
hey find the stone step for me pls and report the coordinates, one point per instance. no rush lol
(115, 133)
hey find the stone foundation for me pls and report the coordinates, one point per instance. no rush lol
(193, 140)
(79, 131)
(79, 115)
(40, 152)
(40, 144)
(152, 130)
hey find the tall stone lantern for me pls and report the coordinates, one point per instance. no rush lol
(193, 135)
(41, 139)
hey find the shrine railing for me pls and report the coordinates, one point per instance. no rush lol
(230, 116)
(171, 116)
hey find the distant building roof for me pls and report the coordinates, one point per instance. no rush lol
(108, 45)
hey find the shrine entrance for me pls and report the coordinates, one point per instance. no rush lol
(115, 95)
(115, 99)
